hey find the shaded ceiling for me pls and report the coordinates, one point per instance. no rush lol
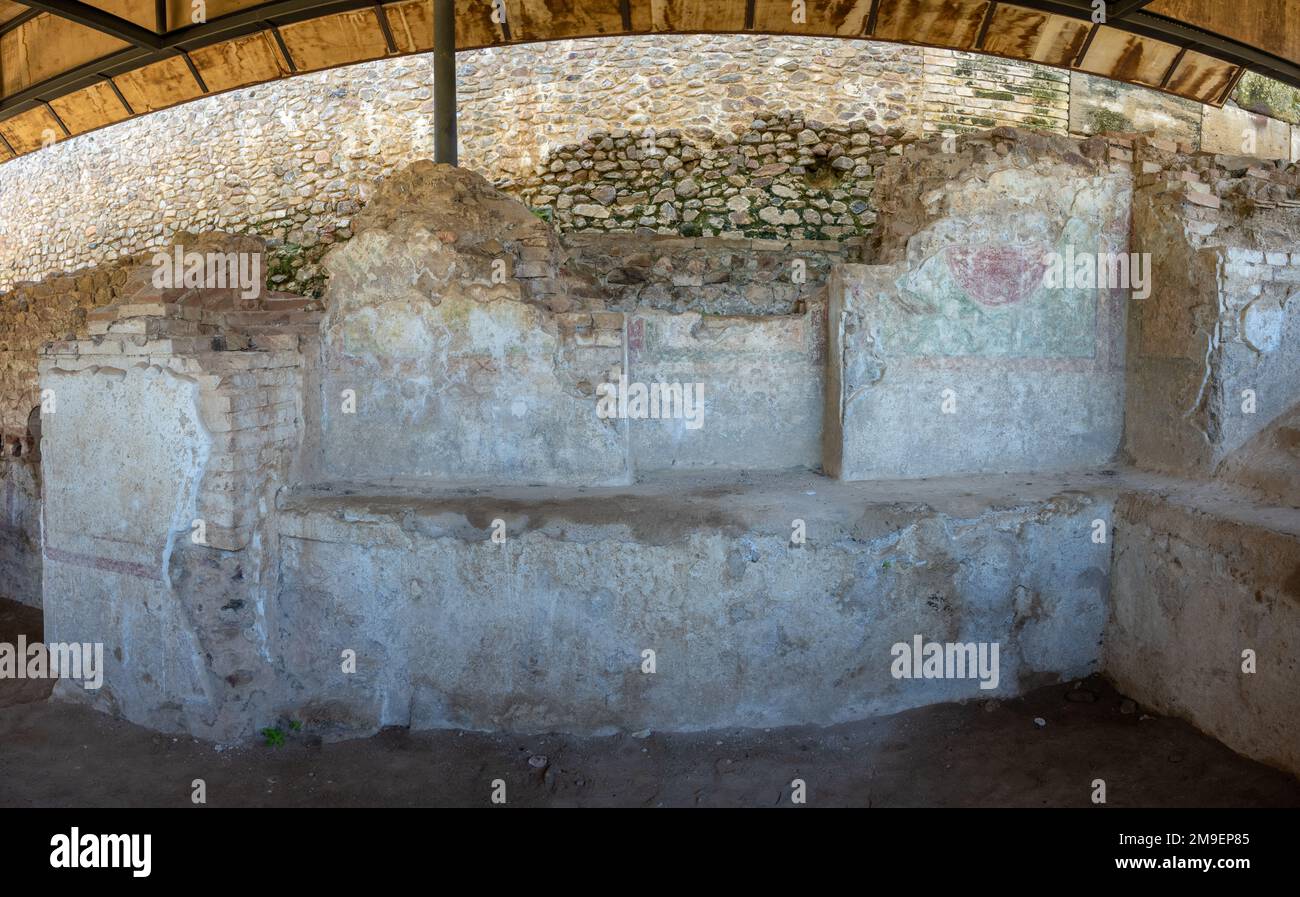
(68, 67)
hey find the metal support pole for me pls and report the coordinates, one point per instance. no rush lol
(444, 81)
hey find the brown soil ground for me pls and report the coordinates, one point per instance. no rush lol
(973, 754)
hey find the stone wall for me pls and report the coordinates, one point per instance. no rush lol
(176, 422)
(35, 314)
(30, 317)
(546, 630)
(1098, 105)
(784, 176)
(710, 275)
(1194, 586)
(293, 160)
(519, 103)
(971, 92)
(460, 374)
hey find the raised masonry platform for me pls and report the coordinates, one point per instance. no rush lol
(546, 630)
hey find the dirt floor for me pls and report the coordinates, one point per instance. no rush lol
(973, 754)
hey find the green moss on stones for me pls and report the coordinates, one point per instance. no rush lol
(1257, 93)
(1103, 120)
(296, 269)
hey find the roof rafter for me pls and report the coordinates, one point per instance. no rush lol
(19, 20)
(1180, 34)
(1126, 7)
(98, 20)
(191, 37)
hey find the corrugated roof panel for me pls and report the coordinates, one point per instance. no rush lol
(697, 15)
(31, 130)
(90, 108)
(244, 60)
(335, 40)
(938, 23)
(182, 13)
(1028, 34)
(412, 25)
(47, 46)
(9, 12)
(530, 20)
(474, 25)
(1202, 77)
(143, 14)
(1270, 25)
(1119, 54)
(845, 18)
(53, 59)
(159, 85)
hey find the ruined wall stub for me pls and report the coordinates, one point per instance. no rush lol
(955, 354)
(20, 531)
(1212, 360)
(166, 434)
(1193, 587)
(460, 345)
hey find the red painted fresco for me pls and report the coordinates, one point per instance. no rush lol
(635, 337)
(95, 562)
(996, 274)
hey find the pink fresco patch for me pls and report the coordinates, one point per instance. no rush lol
(996, 274)
(1119, 225)
(635, 336)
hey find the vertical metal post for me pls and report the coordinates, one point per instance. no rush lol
(444, 81)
